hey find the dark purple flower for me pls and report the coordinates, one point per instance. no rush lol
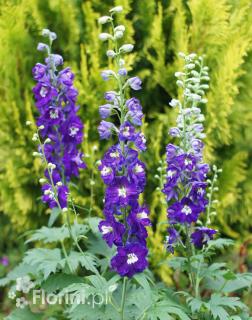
(137, 174)
(133, 104)
(112, 231)
(66, 77)
(171, 239)
(39, 71)
(201, 236)
(130, 259)
(121, 192)
(113, 157)
(127, 132)
(173, 174)
(140, 141)
(107, 173)
(171, 152)
(105, 129)
(44, 93)
(63, 196)
(184, 211)
(135, 83)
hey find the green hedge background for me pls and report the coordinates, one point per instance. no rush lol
(221, 30)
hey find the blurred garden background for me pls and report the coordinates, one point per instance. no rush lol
(221, 30)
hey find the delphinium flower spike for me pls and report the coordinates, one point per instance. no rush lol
(121, 169)
(60, 130)
(186, 175)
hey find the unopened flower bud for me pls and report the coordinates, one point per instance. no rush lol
(35, 137)
(105, 36)
(43, 47)
(116, 9)
(42, 180)
(118, 34)
(28, 123)
(120, 28)
(181, 55)
(36, 154)
(51, 166)
(48, 140)
(126, 48)
(104, 19)
(111, 53)
(41, 127)
(59, 184)
(64, 209)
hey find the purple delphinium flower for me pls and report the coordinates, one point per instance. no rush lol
(201, 236)
(186, 174)
(123, 172)
(59, 126)
(130, 259)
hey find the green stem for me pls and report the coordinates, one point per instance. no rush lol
(123, 298)
(66, 256)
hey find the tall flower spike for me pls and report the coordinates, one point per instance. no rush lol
(121, 169)
(60, 130)
(186, 176)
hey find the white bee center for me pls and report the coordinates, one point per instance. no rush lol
(187, 162)
(122, 192)
(143, 138)
(106, 229)
(114, 154)
(138, 168)
(142, 215)
(170, 173)
(105, 171)
(54, 114)
(126, 132)
(187, 210)
(43, 91)
(132, 258)
(73, 131)
(200, 191)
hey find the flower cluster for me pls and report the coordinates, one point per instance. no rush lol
(58, 125)
(186, 176)
(121, 169)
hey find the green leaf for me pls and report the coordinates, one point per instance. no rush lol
(59, 281)
(86, 260)
(53, 216)
(178, 263)
(23, 314)
(49, 235)
(46, 261)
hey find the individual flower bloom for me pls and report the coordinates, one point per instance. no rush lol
(200, 172)
(133, 104)
(201, 236)
(130, 259)
(121, 192)
(198, 190)
(107, 74)
(135, 117)
(72, 130)
(137, 174)
(105, 110)
(112, 231)
(184, 211)
(107, 173)
(54, 60)
(52, 116)
(72, 161)
(66, 77)
(174, 132)
(171, 239)
(69, 95)
(198, 127)
(135, 83)
(43, 47)
(39, 71)
(105, 129)
(113, 157)
(186, 161)
(197, 145)
(110, 96)
(49, 196)
(131, 156)
(55, 174)
(140, 141)
(171, 152)
(170, 192)
(141, 214)
(127, 132)
(44, 93)
(172, 175)
(63, 196)
(122, 72)
(4, 261)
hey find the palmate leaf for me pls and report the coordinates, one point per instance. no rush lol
(90, 311)
(46, 261)
(219, 243)
(60, 281)
(49, 235)
(164, 311)
(85, 259)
